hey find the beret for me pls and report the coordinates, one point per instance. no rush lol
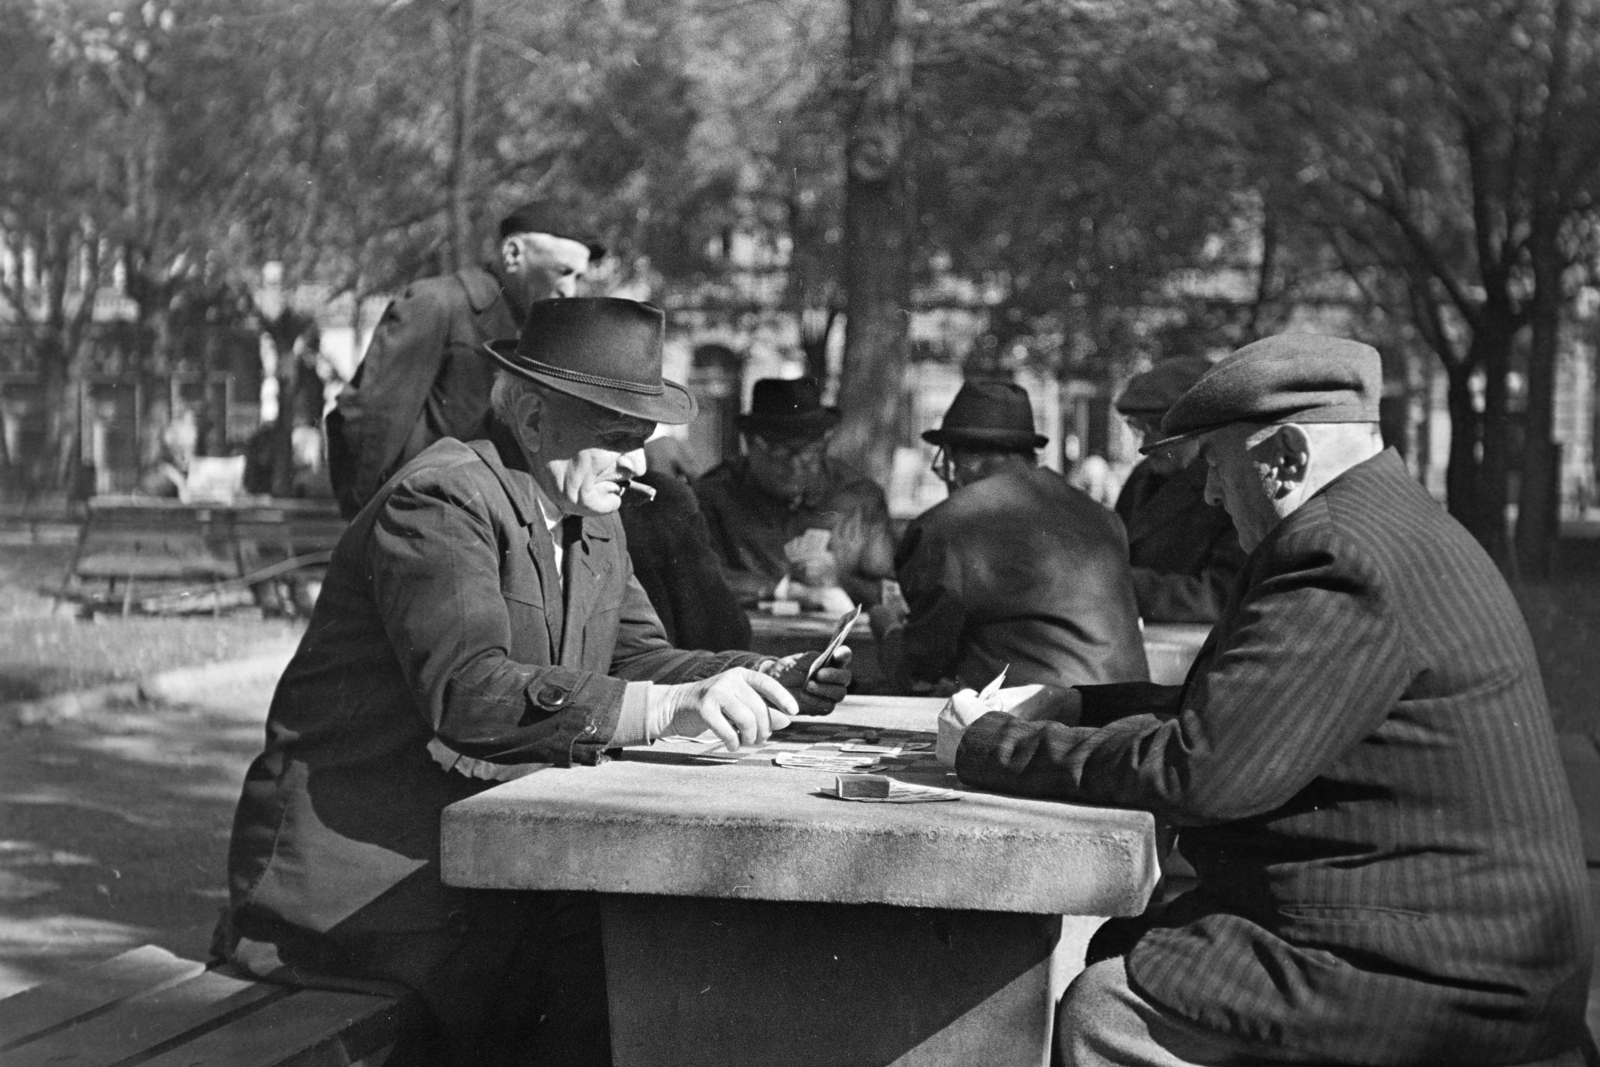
(1157, 389)
(1291, 376)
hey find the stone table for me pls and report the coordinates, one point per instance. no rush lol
(751, 919)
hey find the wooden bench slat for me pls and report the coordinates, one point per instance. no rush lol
(143, 1024)
(310, 1028)
(42, 1007)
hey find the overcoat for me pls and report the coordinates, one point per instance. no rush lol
(1184, 552)
(749, 527)
(1020, 569)
(444, 645)
(1365, 775)
(424, 376)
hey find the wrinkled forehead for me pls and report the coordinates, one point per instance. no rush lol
(1235, 438)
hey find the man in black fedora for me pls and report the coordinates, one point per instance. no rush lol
(480, 615)
(1016, 568)
(1361, 761)
(1184, 552)
(786, 512)
(423, 376)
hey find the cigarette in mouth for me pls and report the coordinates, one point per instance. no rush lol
(639, 487)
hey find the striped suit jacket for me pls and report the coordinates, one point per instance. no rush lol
(1366, 778)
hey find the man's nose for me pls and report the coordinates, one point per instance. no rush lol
(566, 285)
(633, 463)
(1213, 487)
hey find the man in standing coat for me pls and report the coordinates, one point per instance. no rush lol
(1016, 568)
(480, 615)
(424, 375)
(1361, 762)
(1184, 552)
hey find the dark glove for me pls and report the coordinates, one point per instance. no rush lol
(825, 689)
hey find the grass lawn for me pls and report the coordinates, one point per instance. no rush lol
(43, 652)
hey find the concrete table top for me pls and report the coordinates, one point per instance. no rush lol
(664, 821)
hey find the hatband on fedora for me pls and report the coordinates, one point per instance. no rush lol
(1158, 388)
(988, 415)
(787, 408)
(602, 349)
(1297, 377)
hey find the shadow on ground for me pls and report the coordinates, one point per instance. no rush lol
(113, 832)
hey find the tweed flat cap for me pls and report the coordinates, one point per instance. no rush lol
(1298, 377)
(1158, 388)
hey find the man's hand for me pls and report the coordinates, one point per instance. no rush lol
(740, 706)
(827, 686)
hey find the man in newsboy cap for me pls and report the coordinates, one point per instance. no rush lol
(478, 616)
(1183, 551)
(1361, 763)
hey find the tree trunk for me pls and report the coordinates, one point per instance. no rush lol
(877, 238)
(1493, 339)
(1538, 501)
(467, 48)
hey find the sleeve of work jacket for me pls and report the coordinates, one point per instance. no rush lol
(1311, 664)
(377, 411)
(930, 572)
(436, 579)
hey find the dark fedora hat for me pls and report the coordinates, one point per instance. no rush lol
(787, 407)
(535, 217)
(600, 349)
(988, 415)
(1157, 389)
(1290, 377)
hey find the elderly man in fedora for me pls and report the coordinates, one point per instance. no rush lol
(1361, 762)
(787, 513)
(1184, 551)
(422, 377)
(480, 615)
(1016, 568)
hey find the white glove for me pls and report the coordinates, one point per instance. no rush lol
(740, 706)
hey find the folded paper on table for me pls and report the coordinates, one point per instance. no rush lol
(876, 789)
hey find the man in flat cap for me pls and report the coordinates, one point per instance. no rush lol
(478, 616)
(423, 376)
(787, 513)
(1361, 763)
(1016, 568)
(1184, 551)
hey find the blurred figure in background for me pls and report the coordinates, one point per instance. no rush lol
(785, 518)
(169, 477)
(1016, 568)
(423, 377)
(1185, 552)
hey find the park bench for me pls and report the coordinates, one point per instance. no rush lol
(168, 555)
(154, 1009)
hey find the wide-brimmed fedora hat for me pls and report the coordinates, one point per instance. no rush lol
(601, 349)
(787, 407)
(1290, 377)
(988, 415)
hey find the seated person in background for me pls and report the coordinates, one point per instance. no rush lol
(1185, 552)
(1017, 567)
(480, 615)
(672, 558)
(784, 510)
(170, 476)
(1361, 762)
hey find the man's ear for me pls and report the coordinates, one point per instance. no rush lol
(1293, 447)
(529, 420)
(511, 254)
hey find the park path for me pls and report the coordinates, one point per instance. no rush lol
(114, 824)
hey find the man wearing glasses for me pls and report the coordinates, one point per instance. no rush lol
(786, 519)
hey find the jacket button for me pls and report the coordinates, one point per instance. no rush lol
(457, 923)
(552, 696)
